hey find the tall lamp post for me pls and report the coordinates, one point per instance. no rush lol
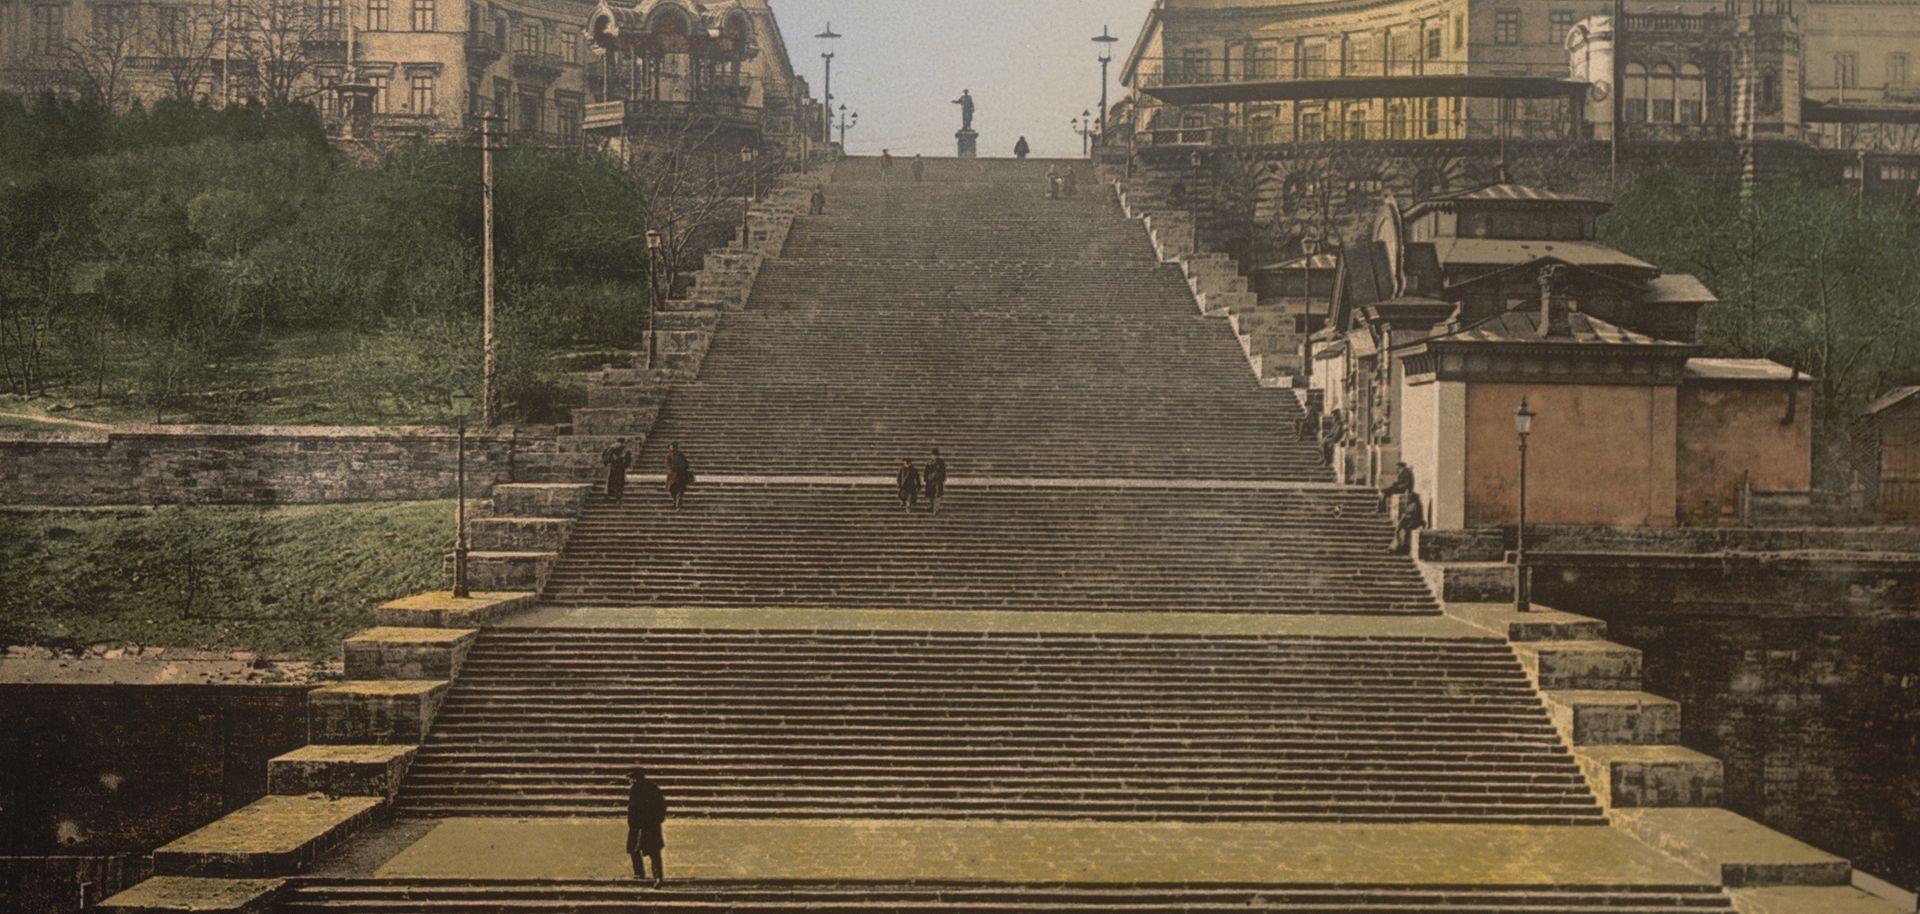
(1522, 577)
(490, 387)
(1106, 41)
(753, 193)
(826, 103)
(845, 125)
(462, 404)
(1083, 125)
(654, 246)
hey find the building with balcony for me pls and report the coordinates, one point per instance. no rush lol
(1705, 75)
(715, 74)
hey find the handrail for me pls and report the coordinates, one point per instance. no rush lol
(1162, 72)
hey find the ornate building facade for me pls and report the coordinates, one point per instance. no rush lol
(386, 67)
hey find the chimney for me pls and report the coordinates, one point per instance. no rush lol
(1555, 304)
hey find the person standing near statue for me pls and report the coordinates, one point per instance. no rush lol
(1053, 182)
(919, 169)
(965, 101)
(886, 165)
(646, 820)
(617, 459)
(1021, 149)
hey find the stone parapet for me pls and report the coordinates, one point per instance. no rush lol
(195, 895)
(540, 500)
(273, 836)
(389, 712)
(1741, 852)
(408, 653)
(444, 610)
(340, 771)
(1651, 776)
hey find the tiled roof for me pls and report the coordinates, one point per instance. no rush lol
(1499, 253)
(1524, 327)
(1892, 399)
(1741, 370)
(1678, 289)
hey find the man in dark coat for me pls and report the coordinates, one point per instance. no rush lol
(818, 205)
(919, 169)
(1402, 485)
(646, 815)
(936, 477)
(1021, 149)
(1413, 516)
(908, 479)
(617, 459)
(679, 473)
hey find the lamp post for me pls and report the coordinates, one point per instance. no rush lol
(826, 103)
(462, 404)
(1522, 579)
(489, 384)
(845, 125)
(753, 192)
(1106, 40)
(1083, 125)
(654, 246)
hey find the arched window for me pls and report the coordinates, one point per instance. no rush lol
(1693, 95)
(669, 20)
(1768, 94)
(1660, 89)
(1634, 94)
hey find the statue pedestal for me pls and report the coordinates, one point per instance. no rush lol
(969, 143)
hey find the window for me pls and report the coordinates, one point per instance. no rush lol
(1263, 61)
(1506, 27)
(1193, 65)
(1312, 126)
(380, 85)
(1434, 47)
(569, 113)
(502, 97)
(1561, 23)
(1660, 90)
(423, 15)
(47, 33)
(1359, 60)
(530, 38)
(421, 98)
(1313, 60)
(1900, 172)
(1693, 95)
(1846, 70)
(377, 15)
(1433, 116)
(1400, 52)
(330, 14)
(328, 97)
(570, 47)
(1357, 123)
(1899, 70)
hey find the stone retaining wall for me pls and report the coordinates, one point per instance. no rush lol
(194, 464)
(1800, 673)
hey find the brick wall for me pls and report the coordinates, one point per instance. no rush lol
(1801, 674)
(249, 464)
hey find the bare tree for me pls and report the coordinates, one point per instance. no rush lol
(271, 39)
(692, 181)
(185, 38)
(97, 62)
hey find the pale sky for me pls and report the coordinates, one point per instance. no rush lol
(1031, 64)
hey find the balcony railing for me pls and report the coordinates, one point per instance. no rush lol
(629, 113)
(1157, 73)
(1388, 130)
(483, 45)
(537, 64)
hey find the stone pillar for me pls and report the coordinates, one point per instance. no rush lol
(969, 143)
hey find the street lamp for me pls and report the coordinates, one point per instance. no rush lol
(753, 192)
(654, 247)
(1522, 578)
(845, 125)
(1105, 40)
(462, 404)
(826, 103)
(1083, 125)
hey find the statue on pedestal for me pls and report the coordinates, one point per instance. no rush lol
(965, 101)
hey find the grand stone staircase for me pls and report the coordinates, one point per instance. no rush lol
(966, 724)
(1112, 461)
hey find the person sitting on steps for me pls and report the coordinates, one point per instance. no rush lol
(1402, 485)
(646, 818)
(936, 477)
(679, 474)
(908, 481)
(1413, 517)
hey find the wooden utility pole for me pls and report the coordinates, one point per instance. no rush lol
(490, 387)
(1619, 91)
